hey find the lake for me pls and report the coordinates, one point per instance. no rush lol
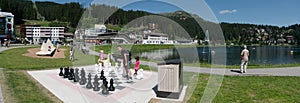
(260, 55)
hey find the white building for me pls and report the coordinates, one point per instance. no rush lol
(98, 29)
(38, 35)
(6, 25)
(155, 38)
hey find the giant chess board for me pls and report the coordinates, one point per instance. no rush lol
(72, 88)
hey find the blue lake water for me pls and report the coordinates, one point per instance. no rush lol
(260, 55)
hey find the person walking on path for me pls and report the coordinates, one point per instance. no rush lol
(72, 54)
(57, 47)
(126, 61)
(244, 59)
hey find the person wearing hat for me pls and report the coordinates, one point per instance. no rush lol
(244, 59)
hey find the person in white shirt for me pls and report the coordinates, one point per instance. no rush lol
(244, 59)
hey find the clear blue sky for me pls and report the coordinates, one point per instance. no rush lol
(266, 12)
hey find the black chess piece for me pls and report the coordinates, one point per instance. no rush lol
(104, 87)
(102, 75)
(96, 83)
(105, 91)
(82, 80)
(76, 75)
(61, 71)
(89, 84)
(71, 74)
(111, 86)
(66, 75)
(104, 83)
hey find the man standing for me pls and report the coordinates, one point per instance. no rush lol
(57, 47)
(126, 61)
(244, 59)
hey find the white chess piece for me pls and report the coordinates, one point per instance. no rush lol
(109, 64)
(140, 74)
(96, 68)
(116, 66)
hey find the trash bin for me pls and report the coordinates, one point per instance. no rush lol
(170, 79)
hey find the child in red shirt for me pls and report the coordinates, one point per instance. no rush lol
(137, 65)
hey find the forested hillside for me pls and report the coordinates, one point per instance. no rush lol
(71, 13)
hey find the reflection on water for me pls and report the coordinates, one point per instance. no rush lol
(258, 55)
(160, 54)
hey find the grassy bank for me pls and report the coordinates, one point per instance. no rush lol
(133, 48)
(248, 89)
(26, 90)
(250, 66)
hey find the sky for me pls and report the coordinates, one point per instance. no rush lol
(265, 12)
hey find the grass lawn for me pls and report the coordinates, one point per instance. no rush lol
(13, 59)
(19, 87)
(248, 89)
(22, 88)
(25, 90)
(133, 48)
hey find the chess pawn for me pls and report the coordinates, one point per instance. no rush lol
(61, 72)
(89, 84)
(76, 75)
(82, 80)
(96, 83)
(111, 86)
(71, 74)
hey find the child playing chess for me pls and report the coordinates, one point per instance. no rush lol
(101, 57)
(137, 65)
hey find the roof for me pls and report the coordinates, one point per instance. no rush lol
(4, 14)
(155, 34)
